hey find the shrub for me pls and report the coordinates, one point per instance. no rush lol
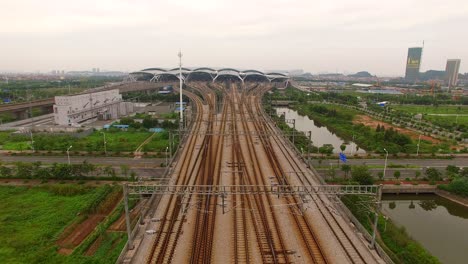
(458, 186)
(362, 175)
(433, 174)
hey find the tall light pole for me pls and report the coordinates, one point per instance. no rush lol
(180, 89)
(105, 143)
(32, 119)
(419, 142)
(294, 131)
(68, 154)
(32, 140)
(385, 166)
(167, 160)
(308, 148)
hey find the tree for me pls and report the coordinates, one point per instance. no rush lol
(124, 169)
(433, 174)
(346, 169)
(5, 172)
(397, 174)
(452, 171)
(109, 171)
(326, 149)
(417, 174)
(464, 172)
(380, 175)
(23, 170)
(343, 147)
(132, 176)
(362, 175)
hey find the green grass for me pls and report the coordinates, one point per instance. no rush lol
(31, 220)
(116, 141)
(4, 136)
(157, 143)
(427, 109)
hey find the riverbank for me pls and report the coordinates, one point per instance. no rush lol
(424, 189)
(434, 221)
(452, 197)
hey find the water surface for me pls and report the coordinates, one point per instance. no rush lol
(320, 134)
(440, 225)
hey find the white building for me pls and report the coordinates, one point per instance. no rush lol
(106, 105)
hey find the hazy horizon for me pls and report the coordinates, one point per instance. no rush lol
(333, 36)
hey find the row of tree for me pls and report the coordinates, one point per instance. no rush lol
(37, 170)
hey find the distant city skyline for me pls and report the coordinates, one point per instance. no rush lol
(332, 36)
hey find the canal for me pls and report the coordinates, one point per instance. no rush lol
(440, 225)
(320, 134)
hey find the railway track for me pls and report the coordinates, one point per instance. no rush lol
(352, 252)
(257, 156)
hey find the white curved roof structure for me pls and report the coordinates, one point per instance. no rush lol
(214, 74)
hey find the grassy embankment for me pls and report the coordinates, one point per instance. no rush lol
(33, 218)
(340, 121)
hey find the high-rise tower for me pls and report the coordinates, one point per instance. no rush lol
(451, 72)
(413, 62)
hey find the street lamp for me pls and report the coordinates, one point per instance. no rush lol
(419, 141)
(32, 141)
(385, 166)
(105, 143)
(167, 161)
(68, 154)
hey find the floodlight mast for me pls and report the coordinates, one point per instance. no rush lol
(181, 107)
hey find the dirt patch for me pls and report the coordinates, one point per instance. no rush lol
(76, 233)
(120, 225)
(65, 251)
(94, 247)
(370, 122)
(80, 232)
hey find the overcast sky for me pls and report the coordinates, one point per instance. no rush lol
(317, 36)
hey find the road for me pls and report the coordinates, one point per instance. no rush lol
(114, 161)
(437, 163)
(155, 162)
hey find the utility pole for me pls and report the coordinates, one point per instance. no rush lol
(294, 131)
(180, 89)
(32, 120)
(167, 158)
(68, 154)
(419, 142)
(105, 143)
(385, 166)
(376, 220)
(308, 148)
(127, 217)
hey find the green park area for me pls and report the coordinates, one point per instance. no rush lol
(340, 120)
(442, 115)
(116, 141)
(33, 219)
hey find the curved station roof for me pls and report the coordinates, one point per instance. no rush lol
(210, 73)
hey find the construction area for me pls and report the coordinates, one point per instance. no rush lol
(237, 191)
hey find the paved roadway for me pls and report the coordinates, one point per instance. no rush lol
(155, 162)
(117, 161)
(437, 163)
